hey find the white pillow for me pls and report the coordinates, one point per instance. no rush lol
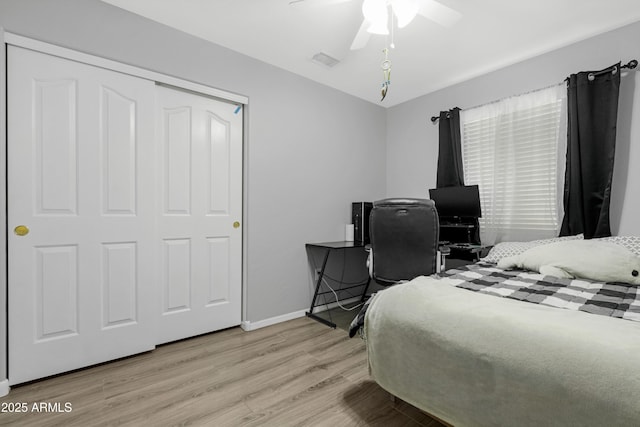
(507, 249)
(594, 259)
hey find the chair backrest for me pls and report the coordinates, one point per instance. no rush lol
(404, 239)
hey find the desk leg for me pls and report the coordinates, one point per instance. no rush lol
(315, 294)
(366, 288)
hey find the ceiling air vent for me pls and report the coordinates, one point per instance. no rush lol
(324, 59)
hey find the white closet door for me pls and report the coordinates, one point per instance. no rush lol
(81, 182)
(200, 211)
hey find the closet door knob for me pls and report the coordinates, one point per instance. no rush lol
(21, 230)
(236, 224)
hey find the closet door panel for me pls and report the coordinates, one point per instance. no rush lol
(118, 142)
(54, 129)
(202, 209)
(81, 209)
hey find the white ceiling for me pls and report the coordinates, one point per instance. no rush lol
(490, 34)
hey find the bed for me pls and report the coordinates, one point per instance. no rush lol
(484, 346)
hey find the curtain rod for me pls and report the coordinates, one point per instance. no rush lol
(630, 65)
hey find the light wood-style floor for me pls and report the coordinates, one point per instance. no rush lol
(297, 373)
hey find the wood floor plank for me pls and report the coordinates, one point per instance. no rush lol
(296, 373)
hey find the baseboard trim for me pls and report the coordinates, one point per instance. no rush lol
(4, 388)
(248, 325)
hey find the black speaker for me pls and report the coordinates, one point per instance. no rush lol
(360, 212)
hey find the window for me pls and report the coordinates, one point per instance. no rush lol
(514, 150)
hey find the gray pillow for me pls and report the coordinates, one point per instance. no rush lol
(507, 249)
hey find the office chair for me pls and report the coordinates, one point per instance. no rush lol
(404, 240)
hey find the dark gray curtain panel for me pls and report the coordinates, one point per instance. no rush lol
(591, 140)
(450, 172)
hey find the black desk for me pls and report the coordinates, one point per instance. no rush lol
(328, 248)
(464, 253)
(466, 232)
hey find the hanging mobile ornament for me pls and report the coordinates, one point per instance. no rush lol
(386, 72)
(386, 64)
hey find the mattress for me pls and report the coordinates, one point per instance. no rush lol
(471, 358)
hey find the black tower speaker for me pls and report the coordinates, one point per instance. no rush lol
(360, 218)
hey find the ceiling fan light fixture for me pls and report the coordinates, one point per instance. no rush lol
(376, 13)
(405, 11)
(378, 28)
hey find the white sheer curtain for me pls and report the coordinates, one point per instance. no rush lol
(514, 149)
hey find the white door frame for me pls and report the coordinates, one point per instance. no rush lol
(4, 355)
(21, 41)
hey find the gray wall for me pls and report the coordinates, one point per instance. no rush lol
(412, 140)
(310, 150)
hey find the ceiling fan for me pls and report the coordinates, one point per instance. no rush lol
(378, 13)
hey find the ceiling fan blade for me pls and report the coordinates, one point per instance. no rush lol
(315, 3)
(362, 37)
(438, 13)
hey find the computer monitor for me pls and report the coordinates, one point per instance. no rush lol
(462, 201)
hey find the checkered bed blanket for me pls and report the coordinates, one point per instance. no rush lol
(620, 300)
